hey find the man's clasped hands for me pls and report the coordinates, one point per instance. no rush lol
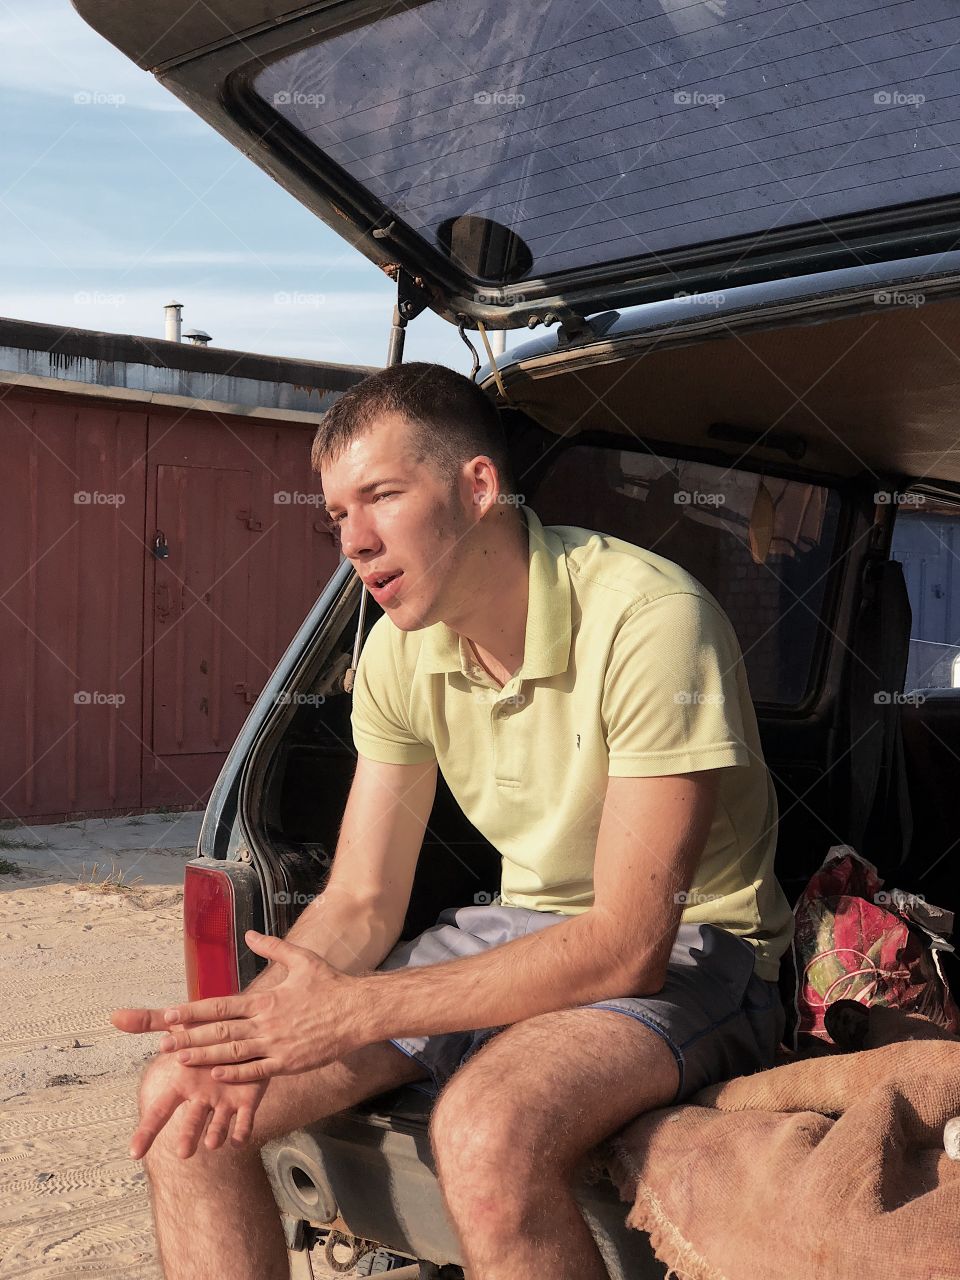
(229, 1047)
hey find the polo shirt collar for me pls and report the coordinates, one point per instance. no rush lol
(546, 643)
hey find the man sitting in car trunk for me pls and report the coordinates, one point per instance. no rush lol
(586, 702)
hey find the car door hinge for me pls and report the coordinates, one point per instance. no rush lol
(577, 328)
(411, 294)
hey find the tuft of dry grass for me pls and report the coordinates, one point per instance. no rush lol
(8, 868)
(102, 881)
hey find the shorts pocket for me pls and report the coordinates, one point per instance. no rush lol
(761, 996)
(767, 1018)
(729, 960)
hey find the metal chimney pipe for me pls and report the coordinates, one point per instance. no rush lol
(172, 320)
(498, 341)
(198, 337)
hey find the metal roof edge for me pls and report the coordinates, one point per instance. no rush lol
(92, 344)
(10, 381)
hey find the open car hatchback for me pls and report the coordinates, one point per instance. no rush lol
(733, 229)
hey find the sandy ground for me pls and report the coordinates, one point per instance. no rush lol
(72, 1203)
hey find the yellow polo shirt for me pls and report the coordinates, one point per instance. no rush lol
(630, 669)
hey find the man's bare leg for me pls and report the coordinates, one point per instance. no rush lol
(214, 1213)
(513, 1123)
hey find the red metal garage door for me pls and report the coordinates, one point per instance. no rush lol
(128, 677)
(71, 584)
(201, 598)
(248, 553)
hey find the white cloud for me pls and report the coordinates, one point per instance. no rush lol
(48, 48)
(220, 258)
(95, 231)
(102, 258)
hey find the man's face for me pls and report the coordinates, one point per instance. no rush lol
(402, 525)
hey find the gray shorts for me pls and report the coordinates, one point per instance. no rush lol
(717, 1017)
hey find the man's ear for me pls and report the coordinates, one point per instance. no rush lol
(482, 484)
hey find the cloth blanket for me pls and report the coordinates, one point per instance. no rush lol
(828, 1168)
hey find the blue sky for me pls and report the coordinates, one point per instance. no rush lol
(114, 198)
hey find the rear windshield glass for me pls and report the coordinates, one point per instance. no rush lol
(597, 132)
(763, 547)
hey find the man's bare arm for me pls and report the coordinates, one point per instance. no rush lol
(652, 834)
(358, 917)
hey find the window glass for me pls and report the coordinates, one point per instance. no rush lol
(926, 541)
(762, 546)
(599, 132)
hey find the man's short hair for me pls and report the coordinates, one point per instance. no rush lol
(453, 419)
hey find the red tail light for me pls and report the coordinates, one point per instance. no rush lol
(209, 932)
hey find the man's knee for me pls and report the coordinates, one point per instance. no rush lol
(161, 1074)
(487, 1157)
(155, 1079)
(289, 1101)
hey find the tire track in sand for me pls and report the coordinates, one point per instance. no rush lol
(73, 1206)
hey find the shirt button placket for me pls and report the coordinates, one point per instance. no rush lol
(506, 741)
